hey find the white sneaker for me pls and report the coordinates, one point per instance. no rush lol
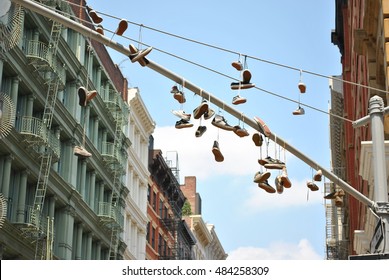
(181, 114)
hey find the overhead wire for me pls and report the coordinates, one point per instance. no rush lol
(140, 42)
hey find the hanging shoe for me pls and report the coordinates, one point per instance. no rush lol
(312, 186)
(137, 56)
(241, 85)
(183, 124)
(85, 96)
(261, 176)
(271, 163)
(200, 131)
(238, 100)
(246, 76)
(262, 127)
(299, 111)
(209, 114)
(95, 17)
(220, 122)
(216, 152)
(265, 185)
(200, 110)
(258, 140)
(237, 65)
(174, 90)
(285, 179)
(339, 201)
(100, 29)
(181, 114)
(302, 87)
(241, 132)
(318, 176)
(81, 152)
(279, 185)
(334, 194)
(122, 27)
(180, 97)
(140, 55)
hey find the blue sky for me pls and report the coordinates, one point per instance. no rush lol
(250, 223)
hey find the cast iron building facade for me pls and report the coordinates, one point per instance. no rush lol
(63, 204)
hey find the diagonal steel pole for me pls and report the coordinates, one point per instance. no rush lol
(88, 32)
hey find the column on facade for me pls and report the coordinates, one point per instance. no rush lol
(6, 176)
(134, 239)
(20, 213)
(30, 105)
(57, 133)
(1, 70)
(143, 198)
(85, 121)
(82, 179)
(88, 253)
(101, 197)
(71, 98)
(64, 233)
(142, 246)
(98, 250)
(95, 131)
(104, 141)
(92, 190)
(98, 79)
(15, 90)
(79, 233)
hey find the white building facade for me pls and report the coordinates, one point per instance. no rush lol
(140, 127)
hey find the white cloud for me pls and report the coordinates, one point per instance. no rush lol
(277, 251)
(195, 154)
(299, 194)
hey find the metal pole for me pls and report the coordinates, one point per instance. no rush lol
(197, 90)
(376, 105)
(380, 240)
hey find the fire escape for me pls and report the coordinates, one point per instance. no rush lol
(162, 172)
(115, 157)
(38, 134)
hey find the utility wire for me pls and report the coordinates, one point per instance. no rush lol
(229, 51)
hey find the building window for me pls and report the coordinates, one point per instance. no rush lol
(160, 208)
(160, 248)
(148, 194)
(148, 233)
(155, 201)
(153, 238)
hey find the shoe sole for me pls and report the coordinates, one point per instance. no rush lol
(257, 140)
(279, 185)
(262, 178)
(237, 65)
(302, 87)
(313, 188)
(184, 125)
(180, 98)
(246, 75)
(240, 101)
(263, 128)
(95, 17)
(274, 166)
(123, 25)
(223, 126)
(286, 182)
(82, 96)
(200, 111)
(267, 188)
(235, 86)
(218, 155)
